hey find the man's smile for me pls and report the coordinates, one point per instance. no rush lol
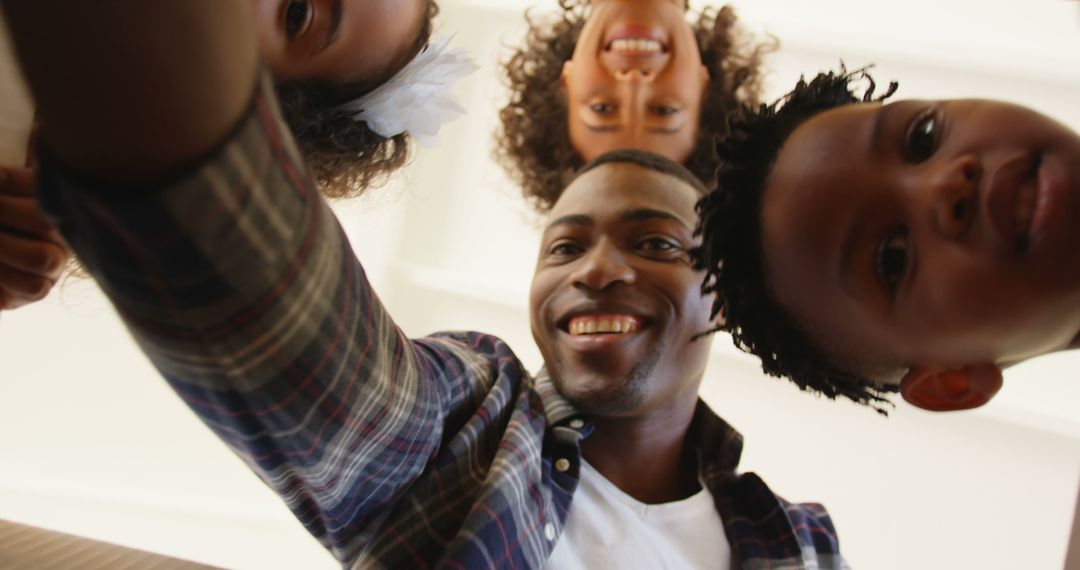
(603, 324)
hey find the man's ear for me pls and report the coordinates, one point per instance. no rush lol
(951, 389)
(565, 73)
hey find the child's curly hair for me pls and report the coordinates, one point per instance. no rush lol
(533, 144)
(345, 156)
(731, 250)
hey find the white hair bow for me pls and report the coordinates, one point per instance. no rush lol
(417, 98)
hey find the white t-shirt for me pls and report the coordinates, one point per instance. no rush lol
(606, 528)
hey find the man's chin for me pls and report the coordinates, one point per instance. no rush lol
(608, 393)
(602, 396)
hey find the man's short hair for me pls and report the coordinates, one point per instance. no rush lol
(649, 160)
(731, 251)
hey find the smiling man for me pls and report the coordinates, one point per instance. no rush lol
(616, 307)
(443, 451)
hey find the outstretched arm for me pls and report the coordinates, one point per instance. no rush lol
(229, 268)
(168, 85)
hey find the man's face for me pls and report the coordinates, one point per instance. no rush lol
(635, 80)
(933, 233)
(614, 300)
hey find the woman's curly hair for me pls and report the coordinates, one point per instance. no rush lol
(729, 221)
(533, 144)
(345, 156)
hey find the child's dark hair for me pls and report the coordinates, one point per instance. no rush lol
(731, 250)
(533, 143)
(345, 156)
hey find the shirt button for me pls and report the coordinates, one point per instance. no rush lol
(577, 423)
(549, 531)
(562, 465)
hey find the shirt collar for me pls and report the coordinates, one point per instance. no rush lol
(556, 408)
(719, 445)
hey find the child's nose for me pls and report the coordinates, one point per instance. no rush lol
(952, 195)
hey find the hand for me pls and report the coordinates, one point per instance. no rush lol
(32, 253)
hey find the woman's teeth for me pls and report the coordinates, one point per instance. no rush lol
(637, 46)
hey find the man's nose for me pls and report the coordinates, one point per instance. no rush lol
(951, 194)
(603, 266)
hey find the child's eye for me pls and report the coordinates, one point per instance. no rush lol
(297, 17)
(891, 259)
(922, 137)
(602, 108)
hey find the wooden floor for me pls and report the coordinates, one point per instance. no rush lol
(30, 548)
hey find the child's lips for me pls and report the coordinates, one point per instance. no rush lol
(1012, 197)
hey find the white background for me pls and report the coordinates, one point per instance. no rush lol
(93, 442)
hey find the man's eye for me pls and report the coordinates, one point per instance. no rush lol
(922, 137)
(891, 259)
(602, 108)
(657, 244)
(297, 17)
(564, 248)
(665, 110)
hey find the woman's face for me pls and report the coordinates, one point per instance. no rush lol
(338, 41)
(635, 80)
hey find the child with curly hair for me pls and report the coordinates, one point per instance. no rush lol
(612, 74)
(860, 248)
(326, 56)
(336, 63)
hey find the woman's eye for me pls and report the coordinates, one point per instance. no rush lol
(922, 137)
(602, 108)
(891, 260)
(297, 17)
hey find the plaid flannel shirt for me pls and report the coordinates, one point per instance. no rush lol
(240, 286)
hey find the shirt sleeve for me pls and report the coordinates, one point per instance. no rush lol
(238, 283)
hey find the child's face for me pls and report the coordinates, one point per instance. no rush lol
(337, 41)
(927, 233)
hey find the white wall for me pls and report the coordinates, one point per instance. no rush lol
(93, 442)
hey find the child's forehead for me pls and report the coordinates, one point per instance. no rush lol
(824, 144)
(835, 137)
(849, 123)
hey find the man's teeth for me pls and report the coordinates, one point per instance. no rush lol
(1025, 209)
(602, 325)
(636, 45)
